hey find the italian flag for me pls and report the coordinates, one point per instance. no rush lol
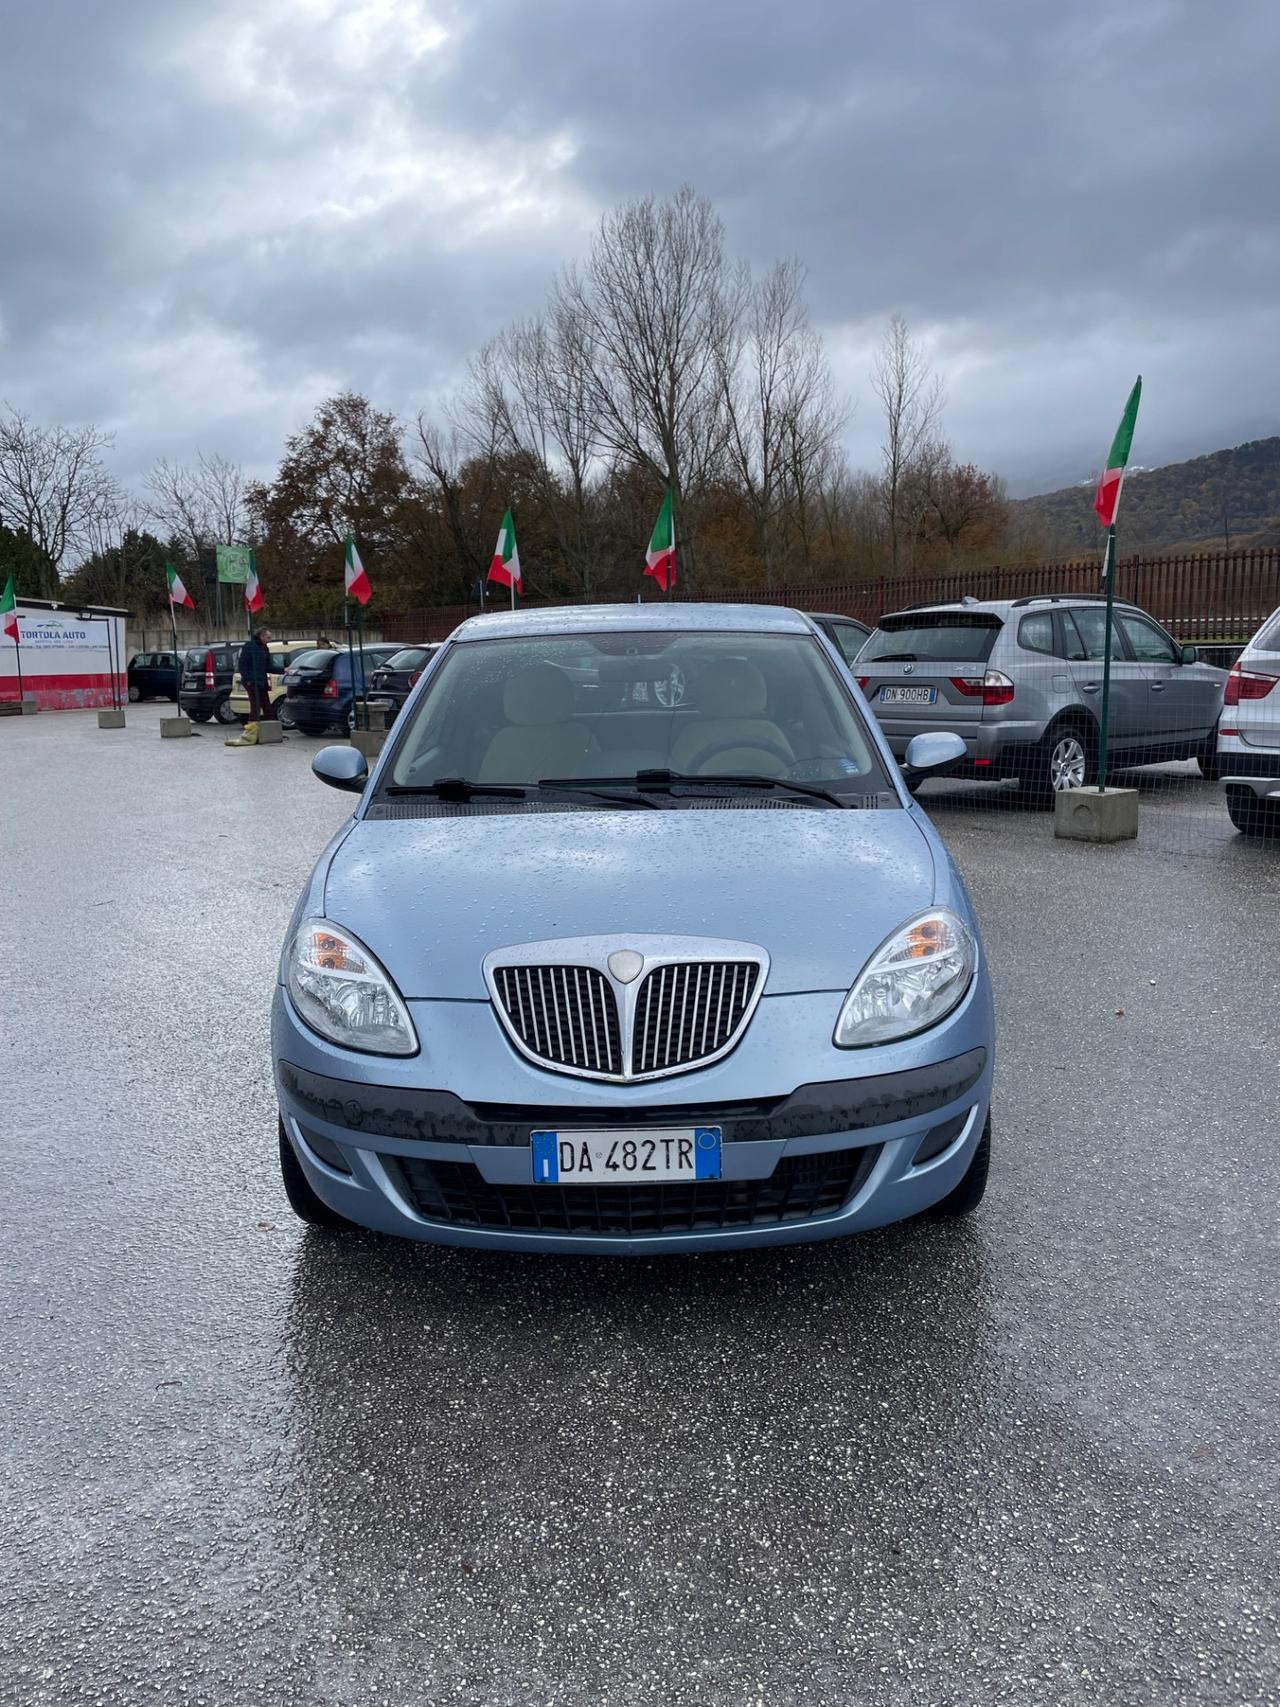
(505, 566)
(1107, 498)
(357, 582)
(178, 594)
(660, 559)
(9, 611)
(252, 586)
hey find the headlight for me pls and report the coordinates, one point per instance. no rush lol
(910, 983)
(340, 991)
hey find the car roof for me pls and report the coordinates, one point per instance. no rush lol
(1003, 607)
(832, 616)
(640, 618)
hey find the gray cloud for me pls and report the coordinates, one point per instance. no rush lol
(214, 215)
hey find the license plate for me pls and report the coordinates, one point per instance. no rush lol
(623, 1158)
(908, 696)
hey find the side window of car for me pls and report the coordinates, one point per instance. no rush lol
(1035, 633)
(1085, 629)
(1150, 646)
(849, 640)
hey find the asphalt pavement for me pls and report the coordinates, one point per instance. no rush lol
(1031, 1458)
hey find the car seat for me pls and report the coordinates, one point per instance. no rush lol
(540, 739)
(731, 732)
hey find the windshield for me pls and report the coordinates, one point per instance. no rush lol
(412, 658)
(312, 660)
(932, 636)
(524, 711)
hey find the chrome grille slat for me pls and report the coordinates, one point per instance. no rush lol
(683, 1012)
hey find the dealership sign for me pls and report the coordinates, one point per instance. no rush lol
(60, 633)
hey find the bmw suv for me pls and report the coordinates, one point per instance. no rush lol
(1020, 680)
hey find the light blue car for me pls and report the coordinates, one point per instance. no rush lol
(636, 942)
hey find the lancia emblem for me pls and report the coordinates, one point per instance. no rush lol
(626, 965)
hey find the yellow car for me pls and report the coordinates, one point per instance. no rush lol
(283, 652)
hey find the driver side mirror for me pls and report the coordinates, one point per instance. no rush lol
(1190, 655)
(933, 754)
(342, 767)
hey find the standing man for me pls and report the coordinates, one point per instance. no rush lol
(255, 676)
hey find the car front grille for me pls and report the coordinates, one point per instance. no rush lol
(565, 1015)
(684, 1012)
(800, 1188)
(688, 1011)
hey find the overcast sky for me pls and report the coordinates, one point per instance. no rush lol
(213, 214)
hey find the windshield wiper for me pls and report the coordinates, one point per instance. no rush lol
(664, 780)
(894, 658)
(590, 786)
(457, 788)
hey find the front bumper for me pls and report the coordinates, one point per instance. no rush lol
(437, 1148)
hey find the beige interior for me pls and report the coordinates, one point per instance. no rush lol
(732, 697)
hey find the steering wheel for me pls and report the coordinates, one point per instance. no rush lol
(752, 744)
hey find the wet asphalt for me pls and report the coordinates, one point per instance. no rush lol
(1030, 1458)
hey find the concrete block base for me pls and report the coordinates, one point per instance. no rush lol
(175, 728)
(109, 719)
(370, 742)
(24, 707)
(270, 734)
(1084, 815)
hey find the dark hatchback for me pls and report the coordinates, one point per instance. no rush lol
(319, 691)
(153, 675)
(392, 683)
(846, 633)
(207, 675)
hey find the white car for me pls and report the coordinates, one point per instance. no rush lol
(1249, 734)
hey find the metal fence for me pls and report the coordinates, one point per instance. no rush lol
(1220, 595)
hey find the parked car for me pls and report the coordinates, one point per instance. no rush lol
(1249, 735)
(847, 634)
(282, 655)
(152, 675)
(395, 679)
(207, 674)
(614, 977)
(318, 687)
(1021, 682)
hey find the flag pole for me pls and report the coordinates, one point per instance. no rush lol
(351, 653)
(364, 691)
(1106, 659)
(177, 667)
(17, 649)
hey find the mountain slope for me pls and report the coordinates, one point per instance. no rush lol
(1229, 495)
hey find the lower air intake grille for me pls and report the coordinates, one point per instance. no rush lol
(800, 1188)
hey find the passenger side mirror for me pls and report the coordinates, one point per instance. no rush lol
(1190, 655)
(933, 754)
(342, 767)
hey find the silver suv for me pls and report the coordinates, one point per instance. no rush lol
(1021, 681)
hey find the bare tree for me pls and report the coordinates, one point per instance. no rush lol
(912, 401)
(782, 420)
(222, 485)
(52, 483)
(181, 505)
(656, 304)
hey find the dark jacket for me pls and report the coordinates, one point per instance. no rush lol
(255, 663)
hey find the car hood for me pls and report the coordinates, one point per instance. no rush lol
(818, 889)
